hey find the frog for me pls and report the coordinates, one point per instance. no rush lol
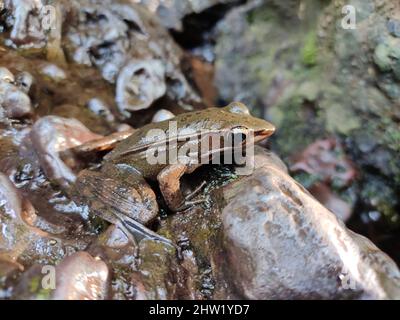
(119, 191)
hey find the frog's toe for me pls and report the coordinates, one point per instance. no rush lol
(195, 192)
(187, 204)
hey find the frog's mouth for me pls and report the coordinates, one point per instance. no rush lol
(260, 135)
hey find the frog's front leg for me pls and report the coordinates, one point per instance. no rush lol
(170, 186)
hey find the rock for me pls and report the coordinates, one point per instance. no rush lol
(349, 91)
(393, 27)
(6, 75)
(24, 80)
(382, 57)
(82, 277)
(13, 99)
(139, 84)
(100, 108)
(26, 23)
(171, 13)
(280, 243)
(114, 247)
(110, 34)
(342, 209)
(27, 238)
(162, 115)
(53, 72)
(30, 285)
(17, 217)
(51, 135)
(159, 275)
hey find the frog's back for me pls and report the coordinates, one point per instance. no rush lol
(158, 133)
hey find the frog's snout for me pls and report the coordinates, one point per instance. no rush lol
(267, 131)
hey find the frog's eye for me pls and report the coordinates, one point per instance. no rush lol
(237, 107)
(239, 134)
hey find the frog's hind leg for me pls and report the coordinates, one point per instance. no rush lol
(111, 196)
(124, 199)
(121, 198)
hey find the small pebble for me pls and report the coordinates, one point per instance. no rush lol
(100, 108)
(24, 81)
(54, 72)
(393, 27)
(6, 75)
(163, 115)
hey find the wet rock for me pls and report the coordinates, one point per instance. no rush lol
(31, 285)
(171, 13)
(139, 84)
(7, 268)
(102, 33)
(393, 26)
(322, 81)
(24, 80)
(6, 75)
(162, 115)
(382, 57)
(68, 97)
(17, 217)
(53, 72)
(159, 275)
(51, 135)
(82, 277)
(25, 18)
(109, 34)
(282, 244)
(342, 209)
(115, 248)
(13, 99)
(27, 238)
(100, 108)
(100, 36)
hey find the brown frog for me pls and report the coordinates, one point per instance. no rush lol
(119, 192)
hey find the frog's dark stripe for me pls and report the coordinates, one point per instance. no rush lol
(180, 139)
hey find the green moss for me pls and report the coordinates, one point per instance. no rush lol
(380, 195)
(340, 118)
(309, 51)
(305, 179)
(35, 288)
(296, 129)
(259, 15)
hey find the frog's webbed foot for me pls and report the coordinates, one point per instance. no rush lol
(170, 186)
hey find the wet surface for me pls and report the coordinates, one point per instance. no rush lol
(107, 68)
